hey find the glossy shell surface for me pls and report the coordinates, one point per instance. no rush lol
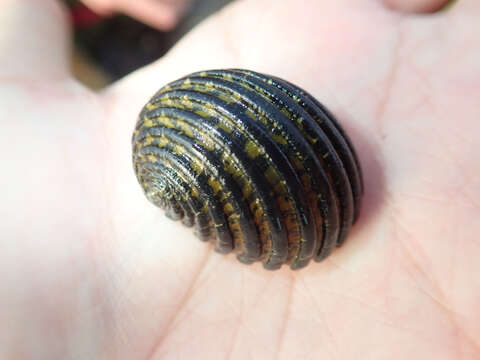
(254, 163)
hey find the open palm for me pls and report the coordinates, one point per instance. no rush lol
(90, 270)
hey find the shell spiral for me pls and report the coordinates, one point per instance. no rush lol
(254, 163)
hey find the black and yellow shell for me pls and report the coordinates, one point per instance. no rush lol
(255, 164)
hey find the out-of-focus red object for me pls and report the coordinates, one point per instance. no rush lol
(83, 17)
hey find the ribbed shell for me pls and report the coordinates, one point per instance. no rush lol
(255, 164)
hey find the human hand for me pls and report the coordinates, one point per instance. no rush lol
(89, 269)
(161, 14)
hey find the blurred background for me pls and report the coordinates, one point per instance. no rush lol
(109, 47)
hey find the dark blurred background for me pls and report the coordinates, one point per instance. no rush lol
(107, 48)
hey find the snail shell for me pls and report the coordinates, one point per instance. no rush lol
(255, 164)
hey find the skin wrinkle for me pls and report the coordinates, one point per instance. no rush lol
(417, 48)
(338, 266)
(455, 190)
(197, 285)
(364, 283)
(205, 278)
(441, 304)
(423, 102)
(458, 189)
(453, 315)
(286, 317)
(363, 94)
(383, 321)
(469, 339)
(388, 268)
(258, 298)
(408, 253)
(469, 201)
(468, 181)
(462, 138)
(390, 323)
(389, 82)
(176, 321)
(446, 142)
(382, 315)
(451, 286)
(424, 81)
(181, 304)
(239, 324)
(329, 332)
(112, 303)
(461, 168)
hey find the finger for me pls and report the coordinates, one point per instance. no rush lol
(416, 6)
(159, 14)
(33, 39)
(466, 6)
(102, 7)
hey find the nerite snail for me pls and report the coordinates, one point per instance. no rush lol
(253, 162)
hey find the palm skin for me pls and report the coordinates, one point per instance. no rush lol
(91, 270)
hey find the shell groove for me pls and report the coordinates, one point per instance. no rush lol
(255, 164)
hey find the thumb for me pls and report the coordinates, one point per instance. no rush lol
(33, 39)
(418, 6)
